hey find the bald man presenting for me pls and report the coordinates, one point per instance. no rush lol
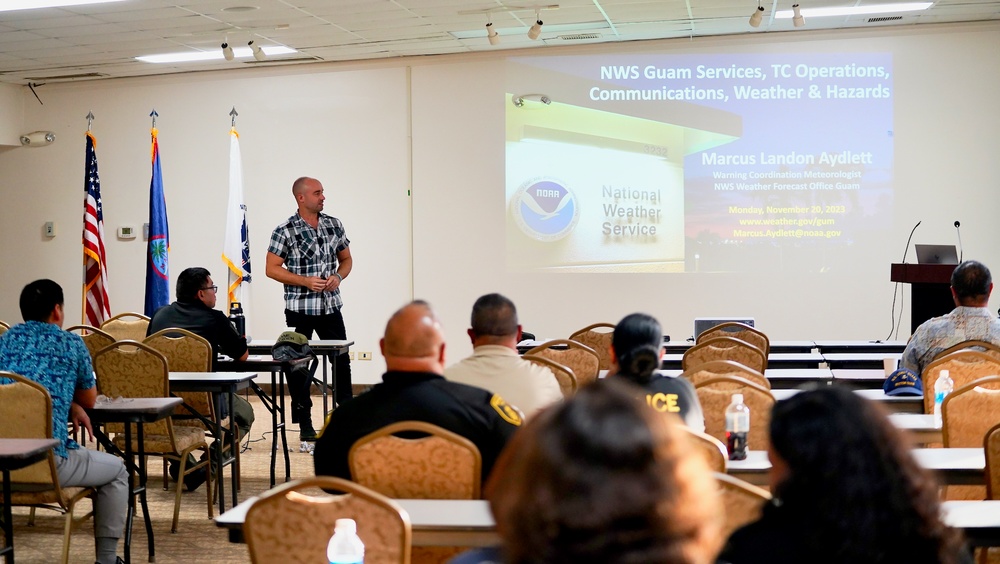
(413, 389)
(310, 255)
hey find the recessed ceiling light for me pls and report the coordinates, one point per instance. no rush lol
(11, 5)
(856, 10)
(241, 8)
(195, 56)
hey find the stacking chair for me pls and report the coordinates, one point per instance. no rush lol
(967, 415)
(991, 445)
(714, 450)
(981, 346)
(26, 412)
(3, 327)
(725, 348)
(715, 368)
(438, 465)
(964, 367)
(715, 394)
(94, 338)
(970, 411)
(740, 331)
(130, 369)
(289, 526)
(582, 359)
(564, 374)
(742, 501)
(127, 326)
(600, 341)
(188, 352)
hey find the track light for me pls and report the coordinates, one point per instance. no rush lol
(757, 16)
(797, 18)
(519, 100)
(227, 51)
(257, 52)
(536, 29)
(492, 34)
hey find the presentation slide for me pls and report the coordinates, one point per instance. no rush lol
(697, 163)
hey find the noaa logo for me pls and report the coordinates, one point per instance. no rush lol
(544, 209)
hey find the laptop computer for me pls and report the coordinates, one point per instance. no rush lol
(936, 254)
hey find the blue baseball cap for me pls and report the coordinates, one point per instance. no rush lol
(903, 382)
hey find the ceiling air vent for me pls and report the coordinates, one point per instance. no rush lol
(579, 36)
(885, 19)
(54, 78)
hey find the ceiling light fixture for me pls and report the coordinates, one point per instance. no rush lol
(856, 10)
(258, 53)
(757, 16)
(227, 51)
(519, 100)
(536, 29)
(491, 33)
(12, 5)
(214, 55)
(797, 19)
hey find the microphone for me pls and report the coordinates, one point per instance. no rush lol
(910, 238)
(959, 231)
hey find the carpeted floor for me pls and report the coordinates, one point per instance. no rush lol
(197, 538)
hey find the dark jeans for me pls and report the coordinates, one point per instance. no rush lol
(329, 326)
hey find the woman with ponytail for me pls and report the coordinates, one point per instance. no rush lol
(636, 352)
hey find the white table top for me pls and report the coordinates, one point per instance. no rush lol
(861, 356)
(475, 516)
(970, 460)
(914, 421)
(437, 513)
(318, 345)
(214, 376)
(859, 374)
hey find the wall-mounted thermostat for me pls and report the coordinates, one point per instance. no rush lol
(127, 232)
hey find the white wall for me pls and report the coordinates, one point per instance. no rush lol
(349, 129)
(350, 126)
(11, 115)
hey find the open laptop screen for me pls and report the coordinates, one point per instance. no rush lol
(936, 254)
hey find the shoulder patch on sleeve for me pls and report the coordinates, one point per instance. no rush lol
(507, 412)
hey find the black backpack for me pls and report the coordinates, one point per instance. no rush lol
(293, 348)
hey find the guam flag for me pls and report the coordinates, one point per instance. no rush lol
(158, 247)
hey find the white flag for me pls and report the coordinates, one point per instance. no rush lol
(236, 252)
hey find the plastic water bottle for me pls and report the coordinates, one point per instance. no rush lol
(345, 546)
(943, 386)
(737, 428)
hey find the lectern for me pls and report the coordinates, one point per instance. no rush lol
(931, 295)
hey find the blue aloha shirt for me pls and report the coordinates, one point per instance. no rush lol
(55, 359)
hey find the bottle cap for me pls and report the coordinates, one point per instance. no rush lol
(737, 398)
(346, 525)
(944, 374)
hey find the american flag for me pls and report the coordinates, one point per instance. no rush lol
(97, 308)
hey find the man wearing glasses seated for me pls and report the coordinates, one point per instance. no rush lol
(195, 311)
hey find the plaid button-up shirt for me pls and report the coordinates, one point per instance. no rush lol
(310, 252)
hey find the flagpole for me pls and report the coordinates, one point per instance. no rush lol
(83, 289)
(236, 243)
(96, 304)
